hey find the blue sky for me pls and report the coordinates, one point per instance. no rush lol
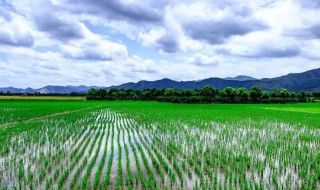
(109, 42)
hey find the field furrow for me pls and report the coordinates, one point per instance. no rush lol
(115, 148)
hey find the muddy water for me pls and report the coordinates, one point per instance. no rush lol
(90, 156)
(189, 142)
(104, 145)
(133, 166)
(114, 168)
(108, 147)
(73, 171)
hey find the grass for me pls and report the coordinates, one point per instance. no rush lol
(19, 110)
(303, 114)
(292, 113)
(151, 145)
(58, 98)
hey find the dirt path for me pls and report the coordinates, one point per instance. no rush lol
(47, 116)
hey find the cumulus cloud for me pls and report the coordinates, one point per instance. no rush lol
(54, 24)
(60, 27)
(94, 50)
(184, 38)
(135, 11)
(305, 33)
(311, 49)
(205, 60)
(312, 4)
(262, 45)
(137, 64)
(168, 43)
(52, 20)
(5, 14)
(274, 52)
(14, 30)
(218, 31)
(16, 39)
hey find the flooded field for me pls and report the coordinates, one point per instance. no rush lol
(112, 148)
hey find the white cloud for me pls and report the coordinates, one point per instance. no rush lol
(262, 45)
(205, 60)
(14, 30)
(199, 38)
(94, 48)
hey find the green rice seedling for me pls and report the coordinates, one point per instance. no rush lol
(102, 161)
(173, 146)
(107, 178)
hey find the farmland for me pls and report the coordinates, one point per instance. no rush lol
(150, 145)
(75, 98)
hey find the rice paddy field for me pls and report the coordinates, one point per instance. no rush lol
(150, 145)
(69, 98)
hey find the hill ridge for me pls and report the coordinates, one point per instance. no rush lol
(308, 81)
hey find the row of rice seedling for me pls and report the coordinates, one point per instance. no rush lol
(255, 155)
(89, 157)
(122, 149)
(40, 151)
(153, 153)
(17, 111)
(97, 176)
(106, 181)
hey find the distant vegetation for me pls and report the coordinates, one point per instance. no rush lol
(206, 94)
(39, 96)
(61, 97)
(72, 94)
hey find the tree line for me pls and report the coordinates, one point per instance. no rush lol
(207, 94)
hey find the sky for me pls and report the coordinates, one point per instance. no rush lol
(110, 42)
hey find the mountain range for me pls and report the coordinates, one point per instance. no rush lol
(308, 81)
(240, 78)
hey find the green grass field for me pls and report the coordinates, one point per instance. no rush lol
(43, 98)
(19, 110)
(151, 145)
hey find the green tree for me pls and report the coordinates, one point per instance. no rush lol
(158, 93)
(169, 92)
(208, 91)
(133, 95)
(102, 93)
(255, 94)
(147, 95)
(265, 97)
(92, 92)
(284, 93)
(189, 92)
(244, 96)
